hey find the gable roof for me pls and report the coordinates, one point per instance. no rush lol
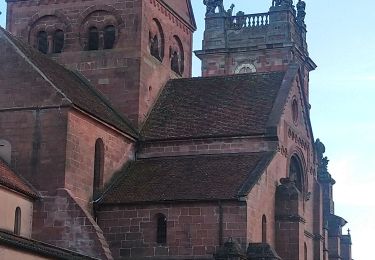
(188, 178)
(236, 105)
(11, 180)
(72, 88)
(184, 9)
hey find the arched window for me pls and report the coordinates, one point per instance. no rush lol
(98, 167)
(17, 221)
(109, 37)
(264, 229)
(42, 42)
(93, 39)
(161, 229)
(157, 41)
(296, 172)
(175, 63)
(58, 41)
(177, 56)
(154, 47)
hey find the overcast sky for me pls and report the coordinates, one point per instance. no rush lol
(342, 43)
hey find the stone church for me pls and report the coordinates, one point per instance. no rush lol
(111, 150)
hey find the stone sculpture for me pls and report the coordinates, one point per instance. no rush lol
(211, 6)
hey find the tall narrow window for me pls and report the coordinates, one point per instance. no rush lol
(93, 39)
(175, 63)
(98, 167)
(42, 42)
(154, 48)
(264, 229)
(109, 37)
(296, 172)
(161, 232)
(58, 41)
(17, 221)
(305, 252)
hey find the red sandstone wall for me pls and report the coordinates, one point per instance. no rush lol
(60, 221)
(154, 74)
(263, 61)
(38, 141)
(127, 75)
(193, 229)
(82, 134)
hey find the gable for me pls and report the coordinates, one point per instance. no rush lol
(21, 84)
(31, 79)
(184, 9)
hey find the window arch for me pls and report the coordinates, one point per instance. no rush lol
(98, 167)
(93, 39)
(58, 41)
(161, 229)
(5, 151)
(264, 229)
(42, 42)
(109, 37)
(177, 56)
(296, 172)
(157, 40)
(17, 221)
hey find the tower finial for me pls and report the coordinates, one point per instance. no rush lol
(301, 12)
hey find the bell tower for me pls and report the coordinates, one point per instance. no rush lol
(262, 42)
(127, 49)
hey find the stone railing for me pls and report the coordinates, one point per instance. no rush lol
(248, 21)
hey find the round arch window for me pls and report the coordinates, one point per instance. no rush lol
(296, 172)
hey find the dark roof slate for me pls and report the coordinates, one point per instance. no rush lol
(72, 86)
(11, 180)
(189, 178)
(235, 105)
(39, 248)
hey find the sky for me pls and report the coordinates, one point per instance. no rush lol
(341, 41)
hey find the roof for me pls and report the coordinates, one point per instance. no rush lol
(237, 105)
(72, 87)
(184, 9)
(11, 180)
(189, 178)
(39, 248)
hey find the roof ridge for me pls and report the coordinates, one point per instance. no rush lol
(33, 65)
(198, 78)
(201, 155)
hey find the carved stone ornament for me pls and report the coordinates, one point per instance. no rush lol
(301, 12)
(211, 6)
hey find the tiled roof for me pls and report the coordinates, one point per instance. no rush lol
(39, 248)
(11, 180)
(71, 85)
(235, 105)
(203, 177)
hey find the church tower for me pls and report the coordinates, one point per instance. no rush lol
(262, 42)
(127, 49)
